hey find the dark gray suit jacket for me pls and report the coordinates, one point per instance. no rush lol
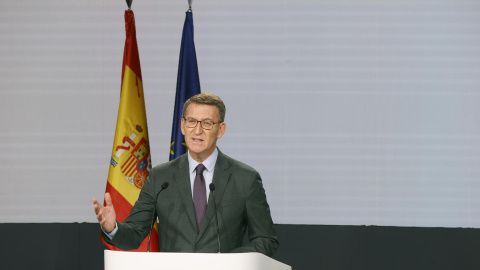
(241, 204)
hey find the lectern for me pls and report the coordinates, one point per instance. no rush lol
(123, 260)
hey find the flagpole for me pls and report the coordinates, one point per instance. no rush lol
(189, 5)
(129, 4)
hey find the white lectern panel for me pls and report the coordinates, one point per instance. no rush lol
(123, 260)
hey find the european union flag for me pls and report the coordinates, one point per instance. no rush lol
(188, 85)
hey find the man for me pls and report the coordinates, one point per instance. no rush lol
(184, 223)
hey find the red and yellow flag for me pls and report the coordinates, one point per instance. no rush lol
(130, 164)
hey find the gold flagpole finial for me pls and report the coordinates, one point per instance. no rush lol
(129, 4)
(189, 5)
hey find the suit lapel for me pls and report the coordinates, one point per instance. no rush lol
(182, 178)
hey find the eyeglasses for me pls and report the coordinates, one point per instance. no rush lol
(206, 124)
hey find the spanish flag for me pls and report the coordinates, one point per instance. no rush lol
(130, 163)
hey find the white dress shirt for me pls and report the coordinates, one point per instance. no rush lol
(209, 164)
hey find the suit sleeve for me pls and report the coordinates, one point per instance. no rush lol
(261, 231)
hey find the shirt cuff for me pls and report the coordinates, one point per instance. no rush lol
(112, 233)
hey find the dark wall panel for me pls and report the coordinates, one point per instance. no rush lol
(304, 247)
(50, 246)
(322, 247)
(423, 248)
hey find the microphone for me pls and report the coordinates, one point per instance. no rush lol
(164, 186)
(212, 190)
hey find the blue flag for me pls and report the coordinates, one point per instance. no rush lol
(188, 85)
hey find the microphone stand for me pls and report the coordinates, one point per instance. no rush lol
(212, 190)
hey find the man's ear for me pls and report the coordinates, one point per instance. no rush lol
(221, 130)
(182, 126)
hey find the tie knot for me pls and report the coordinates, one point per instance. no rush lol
(200, 168)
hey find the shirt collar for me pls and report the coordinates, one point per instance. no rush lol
(209, 163)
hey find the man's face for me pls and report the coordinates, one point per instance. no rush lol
(200, 142)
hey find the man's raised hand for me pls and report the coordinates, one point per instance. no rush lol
(105, 214)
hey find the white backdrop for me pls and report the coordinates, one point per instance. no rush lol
(354, 112)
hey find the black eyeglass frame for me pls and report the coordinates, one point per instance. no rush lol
(201, 123)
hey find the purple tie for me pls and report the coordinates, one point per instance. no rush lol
(199, 195)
